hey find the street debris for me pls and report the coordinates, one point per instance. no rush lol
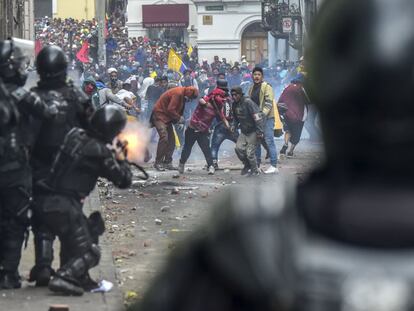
(174, 190)
(158, 221)
(130, 295)
(181, 188)
(165, 209)
(104, 287)
(59, 308)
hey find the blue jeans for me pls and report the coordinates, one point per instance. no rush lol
(220, 134)
(269, 139)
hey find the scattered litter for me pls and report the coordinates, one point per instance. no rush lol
(175, 176)
(131, 295)
(165, 209)
(234, 182)
(174, 190)
(158, 221)
(104, 287)
(189, 169)
(134, 208)
(226, 171)
(144, 229)
(181, 188)
(59, 308)
(147, 243)
(115, 202)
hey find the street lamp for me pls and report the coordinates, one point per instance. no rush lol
(284, 21)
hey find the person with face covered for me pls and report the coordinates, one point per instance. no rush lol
(115, 83)
(90, 89)
(209, 108)
(168, 110)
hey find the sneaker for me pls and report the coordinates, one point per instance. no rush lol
(282, 153)
(245, 170)
(170, 167)
(254, 173)
(159, 167)
(181, 168)
(272, 170)
(211, 170)
(290, 154)
(215, 165)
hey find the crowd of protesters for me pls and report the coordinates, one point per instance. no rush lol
(136, 74)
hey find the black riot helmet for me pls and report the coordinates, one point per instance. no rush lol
(107, 122)
(361, 77)
(52, 63)
(12, 63)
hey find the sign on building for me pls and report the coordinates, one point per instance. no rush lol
(207, 19)
(287, 23)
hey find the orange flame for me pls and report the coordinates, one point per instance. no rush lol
(137, 136)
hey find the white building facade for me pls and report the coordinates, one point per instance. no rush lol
(226, 28)
(154, 18)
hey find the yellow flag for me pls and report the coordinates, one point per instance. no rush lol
(177, 139)
(175, 63)
(190, 50)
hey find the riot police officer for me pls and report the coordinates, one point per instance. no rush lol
(19, 108)
(74, 110)
(344, 239)
(83, 157)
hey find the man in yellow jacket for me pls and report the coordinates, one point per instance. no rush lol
(261, 93)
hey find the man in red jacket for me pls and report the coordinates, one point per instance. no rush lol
(209, 108)
(167, 111)
(296, 101)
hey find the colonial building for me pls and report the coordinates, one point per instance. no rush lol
(229, 28)
(175, 20)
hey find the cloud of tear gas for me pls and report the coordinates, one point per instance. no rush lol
(137, 136)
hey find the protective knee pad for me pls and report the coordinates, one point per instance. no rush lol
(82, 238)
(77, 267)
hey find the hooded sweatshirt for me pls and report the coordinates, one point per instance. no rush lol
(204, 115)
(170, 107)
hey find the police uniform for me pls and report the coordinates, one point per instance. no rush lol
(83, 157)
(73, 110)
(16, 142)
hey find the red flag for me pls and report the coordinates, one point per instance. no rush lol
(106, 33)
(83, 54)
(38, 46)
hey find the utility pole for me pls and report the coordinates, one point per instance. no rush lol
(100, 11)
